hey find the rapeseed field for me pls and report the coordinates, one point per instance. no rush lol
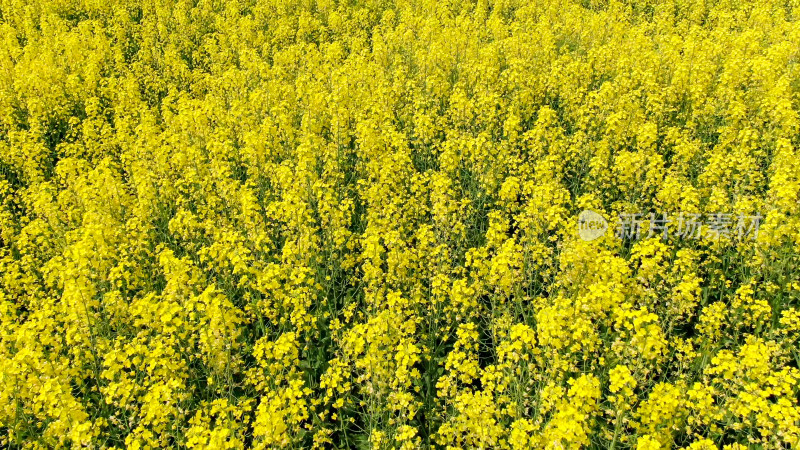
(400, 224)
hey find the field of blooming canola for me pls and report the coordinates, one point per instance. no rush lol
(354, 224)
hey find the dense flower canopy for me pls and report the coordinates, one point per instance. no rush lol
(354, 224)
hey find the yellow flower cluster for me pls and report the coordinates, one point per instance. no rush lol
(230, 224)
